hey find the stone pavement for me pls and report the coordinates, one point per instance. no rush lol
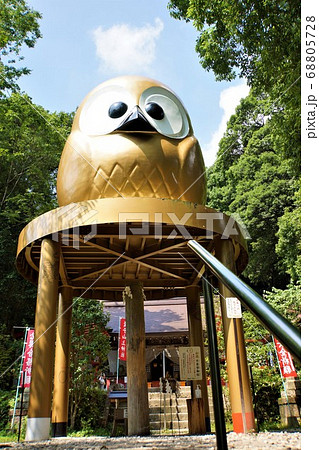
(261, 441)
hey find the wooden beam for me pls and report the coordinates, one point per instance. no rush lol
(154, 265)
(113, 283)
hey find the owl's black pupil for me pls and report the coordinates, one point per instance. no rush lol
(154, 110)
(117, 109)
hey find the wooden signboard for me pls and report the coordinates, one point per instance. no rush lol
(190, 363)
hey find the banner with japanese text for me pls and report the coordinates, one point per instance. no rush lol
(27, 360)
(285, 361)
(122, 340)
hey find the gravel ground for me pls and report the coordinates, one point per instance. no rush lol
(278, 440)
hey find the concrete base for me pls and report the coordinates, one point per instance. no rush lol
(38, 428)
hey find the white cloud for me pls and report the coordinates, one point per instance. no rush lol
(123, 49)
(228, 100)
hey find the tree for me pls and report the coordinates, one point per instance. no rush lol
(288, 247)
(258, 41)
(252, 180)
(19, 26)
(31, 141)
(241, 126)
(90, 344)
(10, 350)
(257, 171)
(261, 353)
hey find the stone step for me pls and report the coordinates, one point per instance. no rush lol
(154, 407)
(161, 401)
(183, 389)
(159, 410)
(160, 417)
(17, 413)
(158, 395)
(167, 399)
(160, 407)
(181, 426)
(181, 402)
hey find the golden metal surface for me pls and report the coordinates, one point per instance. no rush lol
(44, 331)
(62, 357)
(100, 160)
(101, 263)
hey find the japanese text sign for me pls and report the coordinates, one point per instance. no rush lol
(190, 364)
(233, 308)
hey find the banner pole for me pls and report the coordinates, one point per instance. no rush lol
(21, 405)
(19, 377)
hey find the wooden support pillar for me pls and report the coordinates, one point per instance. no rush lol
(196, 416)
(62, 363)
(39, 413)
(137, 390)
(195, 327)
(237, 367)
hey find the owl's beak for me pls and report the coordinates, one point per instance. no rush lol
(136, 122)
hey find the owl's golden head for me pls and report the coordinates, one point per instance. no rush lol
(131, 137)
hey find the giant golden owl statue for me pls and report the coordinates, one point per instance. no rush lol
(131, 137)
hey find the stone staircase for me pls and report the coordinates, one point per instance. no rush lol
(168, 412)
(172, 418)
(18, 411)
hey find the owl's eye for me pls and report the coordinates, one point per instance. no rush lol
(105, 109)
(165, 112)
(154, 110)
(117, 109)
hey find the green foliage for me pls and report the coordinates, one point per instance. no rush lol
(260, 40)
(257, 171)
(90, 411)
(261, 354)
(288, 247)
(90, 345)
(18, 27)
(10, 350)
(31, 141)
(267, 408)
(6, 402)
(287, 302)
(262, 360)
(252, 180)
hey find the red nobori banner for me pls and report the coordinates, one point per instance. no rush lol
(27, 360)
(122, 341)
(285, 361)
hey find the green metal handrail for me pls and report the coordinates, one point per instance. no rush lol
(281, 328)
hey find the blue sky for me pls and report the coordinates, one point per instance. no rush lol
(85, 43)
